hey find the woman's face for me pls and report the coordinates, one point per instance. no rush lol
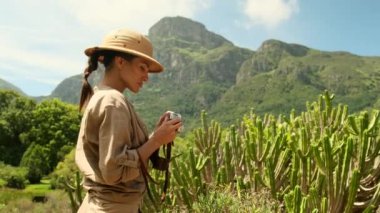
(135, 73)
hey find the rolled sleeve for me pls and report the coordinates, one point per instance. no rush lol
(118, 161)
(130, 158)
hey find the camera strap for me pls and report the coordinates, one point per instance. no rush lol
(167, 172)
(161, 164)
(146, 176)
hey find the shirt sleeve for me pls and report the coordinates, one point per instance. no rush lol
(118, 162)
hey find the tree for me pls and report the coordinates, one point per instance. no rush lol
(54, 128)
(36, 159)
(15, 117)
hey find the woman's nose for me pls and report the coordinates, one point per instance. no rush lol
(146, 77)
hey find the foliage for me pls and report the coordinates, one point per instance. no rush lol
(323, 160)
(64, 169)
(204, 71)
(36, 136)
(320, 157)
(54, 131)
(67, 177)
(36, 159)
(15, 116)
(226, 80)
(14, 177)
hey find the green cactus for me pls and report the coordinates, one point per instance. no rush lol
(207, 140)
(323, 160)
(74, 190)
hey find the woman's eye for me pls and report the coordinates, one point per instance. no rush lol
(144, 67)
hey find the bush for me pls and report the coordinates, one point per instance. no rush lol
(64, 172)
(15, 177)
(16, 181)
(37, 161)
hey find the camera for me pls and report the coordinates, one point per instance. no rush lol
(173, 115)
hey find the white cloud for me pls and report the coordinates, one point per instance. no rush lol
(21, 59)
(269, 13)
(139, 15)
(43, 41)
(47, 39)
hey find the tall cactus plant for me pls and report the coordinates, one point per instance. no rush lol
(322, 160)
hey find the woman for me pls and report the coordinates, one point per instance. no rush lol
(113, 143)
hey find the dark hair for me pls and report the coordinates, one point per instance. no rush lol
(106, 57)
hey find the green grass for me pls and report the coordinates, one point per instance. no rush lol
(2, 182)
(31, 190)
(7, 195)
(57, 202)
(15, 200)
(40, 189)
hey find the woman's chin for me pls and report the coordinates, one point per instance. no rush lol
(135, 90)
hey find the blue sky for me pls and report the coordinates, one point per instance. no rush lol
(42, 41)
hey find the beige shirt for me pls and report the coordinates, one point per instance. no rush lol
(106, 149)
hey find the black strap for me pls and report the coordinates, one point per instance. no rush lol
(146, 176)
(167, 172)
(161, 164)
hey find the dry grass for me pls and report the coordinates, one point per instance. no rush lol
(56, 201)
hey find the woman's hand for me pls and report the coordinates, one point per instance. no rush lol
(162, 118)
(166, 130)
(164, 133)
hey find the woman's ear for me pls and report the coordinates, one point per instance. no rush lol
(119, 62)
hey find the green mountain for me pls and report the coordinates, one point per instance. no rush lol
(203, 70)
(8, 86)
(280, 77)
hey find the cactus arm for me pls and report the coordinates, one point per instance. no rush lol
(352, 125)
(364, 142)
(374, 120)
(329, 168)
(324, 206)
(78, 188)
(354, 184)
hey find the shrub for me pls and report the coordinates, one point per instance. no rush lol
(36, 160)
(15, 177)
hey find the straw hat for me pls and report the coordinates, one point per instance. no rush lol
(128, 41)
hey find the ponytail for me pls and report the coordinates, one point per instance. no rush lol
(87, 91)
(105, 57)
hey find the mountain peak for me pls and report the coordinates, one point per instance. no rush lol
(276, 45)
(9, 86)
(185, 29)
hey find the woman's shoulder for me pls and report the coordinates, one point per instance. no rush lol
(109, 97)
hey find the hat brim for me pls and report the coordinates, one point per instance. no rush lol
(154, 65)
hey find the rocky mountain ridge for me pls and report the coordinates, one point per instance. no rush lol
(204, 71)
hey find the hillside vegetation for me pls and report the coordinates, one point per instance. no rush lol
(323, 160)
(270, 138)
(204, 71)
